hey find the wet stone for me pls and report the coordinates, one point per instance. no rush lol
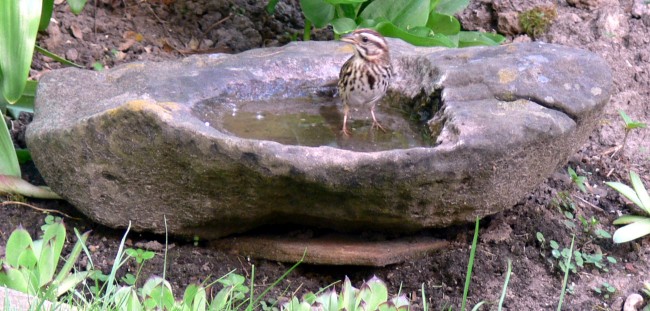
(221, 144)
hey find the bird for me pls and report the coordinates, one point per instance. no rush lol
(365, 76)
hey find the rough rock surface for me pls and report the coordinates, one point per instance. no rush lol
(126, 145)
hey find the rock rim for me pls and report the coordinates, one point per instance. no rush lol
(126, 146)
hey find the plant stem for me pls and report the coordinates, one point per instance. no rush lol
(566, 275)
(306, 36)
(627, 132)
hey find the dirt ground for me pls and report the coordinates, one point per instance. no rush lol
(112, 32)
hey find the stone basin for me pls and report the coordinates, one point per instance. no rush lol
(221, 144)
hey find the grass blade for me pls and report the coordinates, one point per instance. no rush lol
(56, 57)
(566, 275)
(470, 265)
(505, 285)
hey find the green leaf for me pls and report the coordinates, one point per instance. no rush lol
(13, 278)
(475, 38)
(348, 10)
(478, 306)
(641, 192)
(71, 281)
(190, 293)
(19, 241)
(72, 258)
(603, 234)
(76, 6)
(270, 7)
(12, 184)
(345, 1)
(23, 156)
(390, 30)
(403, 14)
(348, 292)
(53, 241)
(55, 233)
(24, 104)
(319, 12)
(628, 219)
(159, 293)
(378, 293)
(632, 231)
(568, 214)
(329, 300)
(8, 161)
(420, 31)
(343, 25)
(18, 26)
(451, 7)
(56, 57)
(125, 298)
(578, 258)
(626, 191)
(626, 119)
(200, 301)
(443, 24)
(46, 14)
(46, 264)
(433, 4)
(369, 23)
(636, 125)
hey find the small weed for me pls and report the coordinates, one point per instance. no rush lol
(565, 205)
(565, 281)
(559, 256)
(590, 226)
(578, 180)
(629, 125)
(129, 279)
(30, 266)
(537, 20)
(605, 289)
(50, 221)
(98, 66)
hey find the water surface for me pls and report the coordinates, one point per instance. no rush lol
(312, 122)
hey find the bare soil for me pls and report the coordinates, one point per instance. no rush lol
(112, 32)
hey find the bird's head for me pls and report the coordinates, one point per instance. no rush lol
(368, 44)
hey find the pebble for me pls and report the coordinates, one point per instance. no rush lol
(72, 54)
(633, 302)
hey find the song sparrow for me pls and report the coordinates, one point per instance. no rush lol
(364, 78)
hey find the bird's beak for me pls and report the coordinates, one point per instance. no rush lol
(348, 39)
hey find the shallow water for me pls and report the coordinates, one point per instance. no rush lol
(311, 122)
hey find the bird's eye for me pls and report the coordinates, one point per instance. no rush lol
(364, 39)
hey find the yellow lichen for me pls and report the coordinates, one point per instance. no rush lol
(162, 109)
(507, 76)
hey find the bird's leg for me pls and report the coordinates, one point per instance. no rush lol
(345, 131)
(375, 123)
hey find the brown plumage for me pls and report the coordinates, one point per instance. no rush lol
(365, 77)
